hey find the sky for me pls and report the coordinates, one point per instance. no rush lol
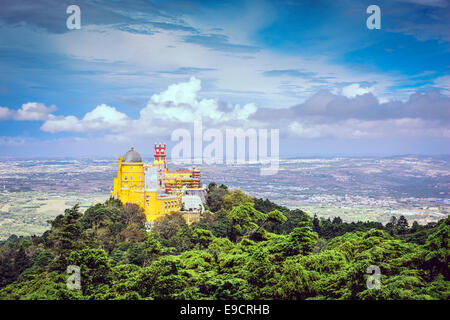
(138, 70)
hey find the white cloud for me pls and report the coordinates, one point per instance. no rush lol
(34, 111)
(354, 90)
(103, 117)
(324, 114)
(179, 93)
(178, 104)
(235, 76)
(57, 124)
(31, 111)
(356, 114)
(244, 112)
(106, 115)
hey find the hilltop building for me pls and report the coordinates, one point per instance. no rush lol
(156, 189)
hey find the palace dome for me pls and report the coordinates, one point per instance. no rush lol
(132, 156)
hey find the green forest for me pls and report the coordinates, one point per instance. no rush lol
(242, 248)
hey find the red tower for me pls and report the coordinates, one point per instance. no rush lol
(160, 153)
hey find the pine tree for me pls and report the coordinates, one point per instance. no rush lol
(316, 224)
(402, 225)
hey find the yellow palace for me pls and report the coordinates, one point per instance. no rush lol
(153, 187)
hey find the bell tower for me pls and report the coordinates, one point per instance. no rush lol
(160, 154)
(160, 164)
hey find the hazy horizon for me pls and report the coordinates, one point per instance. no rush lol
(149, 157)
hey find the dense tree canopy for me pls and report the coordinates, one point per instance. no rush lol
(242, 248)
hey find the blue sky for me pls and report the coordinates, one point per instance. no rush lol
(138, 70)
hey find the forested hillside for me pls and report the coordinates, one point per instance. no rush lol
(243, 248)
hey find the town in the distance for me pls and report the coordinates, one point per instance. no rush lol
(33, 191)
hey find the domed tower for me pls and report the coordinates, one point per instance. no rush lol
(132, 156)
(129, 184)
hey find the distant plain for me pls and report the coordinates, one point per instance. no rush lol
(33, 191)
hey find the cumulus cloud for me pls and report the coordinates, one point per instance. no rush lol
(103, 117)
(354, 113)
(31, 111)
(179, 93)
(34, 111)
(180, 103)
(363, 116)
(325, 106)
